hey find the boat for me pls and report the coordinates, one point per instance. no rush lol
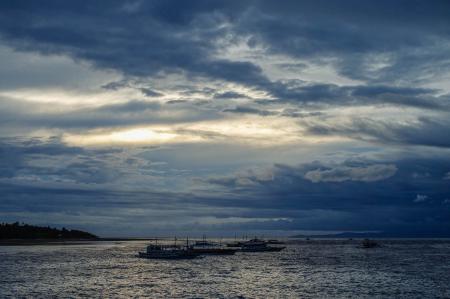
(156, 251)
(235, 244)
(275, 242)
(257, 245)
(205, 247)
(367, 243)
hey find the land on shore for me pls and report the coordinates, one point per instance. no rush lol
(29, 242)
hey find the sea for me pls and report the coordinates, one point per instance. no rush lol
(305, 269)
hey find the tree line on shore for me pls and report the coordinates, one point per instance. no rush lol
(26, 231)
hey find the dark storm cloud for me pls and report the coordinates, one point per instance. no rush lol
(370, 173)
(44, 177)
(13, 152)
(406, 33)
(425, 131)
(42, 159)
(131, 106)
(356, 194)
(161, 37)
(414, 97)
(151, 93)
(300, 114)
(116, 85)
(249, 110)
(229, 95)
(392, 47)
(158, 36)
(342, 195)
(133, 112)
(360, 95)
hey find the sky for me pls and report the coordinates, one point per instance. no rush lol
(145, 118)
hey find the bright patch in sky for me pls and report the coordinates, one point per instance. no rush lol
(249, 115)
(128, 137)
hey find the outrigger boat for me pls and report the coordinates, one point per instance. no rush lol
(155, 251)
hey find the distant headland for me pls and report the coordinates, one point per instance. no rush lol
(26, 232)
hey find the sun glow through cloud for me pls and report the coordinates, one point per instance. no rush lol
(254, 131)
(293, 107)
(131, 136)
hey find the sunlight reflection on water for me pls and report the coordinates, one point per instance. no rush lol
(337, 269)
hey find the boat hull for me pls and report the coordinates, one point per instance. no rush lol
(168, 256)
(266, 249)
(214, 251)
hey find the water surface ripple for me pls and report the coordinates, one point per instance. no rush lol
(306, 269)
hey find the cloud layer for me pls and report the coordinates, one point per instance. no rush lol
(226, 116)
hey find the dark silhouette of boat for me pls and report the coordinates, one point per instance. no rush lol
(257, 245)
(235, 244)
(275, 242)
(240, 243)
(167, 252)
(205, 247)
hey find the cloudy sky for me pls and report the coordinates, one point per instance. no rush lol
(141, 118)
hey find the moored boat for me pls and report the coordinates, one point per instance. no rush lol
(204, 247)
(257, 245)
(235, 244)
(167, 252)
(275, 242)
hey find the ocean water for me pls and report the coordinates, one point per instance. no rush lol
(306, 269)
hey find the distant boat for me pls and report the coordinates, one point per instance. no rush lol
(257, 245)
(167, 252)
(275, 242)
(235, 244)
(367, 243)
(205, 247)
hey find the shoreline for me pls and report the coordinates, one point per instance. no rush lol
(34, 242)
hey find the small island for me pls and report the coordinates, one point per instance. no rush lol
(23, 234)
